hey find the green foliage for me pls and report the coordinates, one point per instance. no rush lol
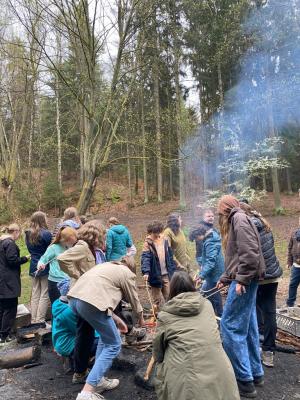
(52, 196)
(26, 199)
(5, 213)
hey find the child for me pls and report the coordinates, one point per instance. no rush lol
(118, 240)
(10, 282)
(294, 264)
(38, 238)
(65, 238)
(157, 262)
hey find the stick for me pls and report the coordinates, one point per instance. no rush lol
(151, 302)
(149, 369)
(137, 344)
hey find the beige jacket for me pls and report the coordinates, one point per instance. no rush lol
(105, 285)
(77, 260)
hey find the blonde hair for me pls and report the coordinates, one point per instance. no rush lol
(13, 228)
(70, 213)
(91, 235)
(64, 234)
(38, 221)
(114, 221)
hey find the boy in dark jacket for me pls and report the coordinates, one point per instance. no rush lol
(294, 264)
(157, 262)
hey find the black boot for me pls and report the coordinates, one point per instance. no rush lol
(247, 389)
(259, 381)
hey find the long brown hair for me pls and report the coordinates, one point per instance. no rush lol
(181, 282)
(38, 221)
(251, 212)
(224, 229)
(173, 223)
(91, 235)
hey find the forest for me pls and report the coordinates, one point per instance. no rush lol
(179, 99)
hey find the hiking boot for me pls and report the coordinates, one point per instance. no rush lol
(247, 389)
(107, 384)
(89, 396)
(268, 359)
(79, 378)
(259, 381)
(8, 339)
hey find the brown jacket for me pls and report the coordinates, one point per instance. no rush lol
(293, 250)
(244, 260)
(77, 260)
(105, 285)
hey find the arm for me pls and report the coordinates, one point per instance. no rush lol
(48, 256)
(12, 255)
(47, 238)
(108, 245)
(67, 259)
(159, 343)
(146, 259)
(130, 292)
(290, 255)
(131, 251)
(129, 241)
(212, 251)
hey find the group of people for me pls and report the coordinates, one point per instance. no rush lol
(87, 272)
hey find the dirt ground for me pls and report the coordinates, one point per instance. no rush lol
(48, 381)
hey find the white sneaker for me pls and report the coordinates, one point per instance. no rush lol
(89, 396)
(107, 384)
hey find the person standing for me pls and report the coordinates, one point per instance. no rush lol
(10, 281)
(157, 262)
(192, 364)
(208, 218)
(71, 218)
(244, 267)
(118, 240)
(38, 238)
(293, 262)
(267, 289)
(177, 241)
(93, 298)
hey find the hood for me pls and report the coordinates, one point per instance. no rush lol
(234, 211)
(185, 304)
(58, 307)
(258, 223)
(118, 229)
(71, 224)
(5, 236)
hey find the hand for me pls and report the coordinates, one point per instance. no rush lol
(121, 325)
(28, 257)
(289, 266)
(220, 285)
(146, 278)
(41, 267)
(240, 289)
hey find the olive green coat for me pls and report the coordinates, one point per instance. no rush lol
(192, 364)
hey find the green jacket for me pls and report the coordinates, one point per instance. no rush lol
(179, 247)
(192, 364)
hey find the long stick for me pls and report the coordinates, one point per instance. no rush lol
(151, 302)
(149, 369)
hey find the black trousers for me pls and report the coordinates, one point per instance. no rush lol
(84, 342)
(53, 292)
(8, 312)
(266, 313)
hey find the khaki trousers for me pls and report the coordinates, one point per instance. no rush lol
(39, 299)
(160, 295)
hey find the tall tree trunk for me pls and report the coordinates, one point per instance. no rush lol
(136, 175)
(57, 105)
(264, 181)
(288, 181)
(145, 172)
(31, 131)
(128, 168)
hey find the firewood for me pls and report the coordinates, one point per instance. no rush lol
(19, 358)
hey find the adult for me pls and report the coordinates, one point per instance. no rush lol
(212, 266)
(208, 218)
(118, 240)
(65, 238)
(70, 218)
(187, 347)
(93, 298)
(75, 262)
(293, 262)
(177, 241)
(38, 238)
(267, 289)
(244, 267)
(157, 262)
(10, 281)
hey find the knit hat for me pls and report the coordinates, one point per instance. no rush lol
(226, 204)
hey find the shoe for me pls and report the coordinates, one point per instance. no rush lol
(259, 381)
(7, 340)
(89, 396)
(268, 359)
(247, 389)
(79, 378)
(107, 384)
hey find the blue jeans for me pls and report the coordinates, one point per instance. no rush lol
(109, 344)
(240, 335)
(294, 283)
(215, 299)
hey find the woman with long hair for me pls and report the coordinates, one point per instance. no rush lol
(244, 267)
(267, 289)
(10, 281)
(38, 238)
(177, 241)
(192, 363)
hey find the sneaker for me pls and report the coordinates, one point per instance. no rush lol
(7, 340)
(107, 384)
(89, 396)
(247, 389)
(268, 359)
(79, 378)
(259, 381)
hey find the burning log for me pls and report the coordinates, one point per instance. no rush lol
(19, 358)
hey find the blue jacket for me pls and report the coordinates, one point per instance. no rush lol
(37, 250)
(64, 323)
(150, 263)
(212, 257)
(118, 240)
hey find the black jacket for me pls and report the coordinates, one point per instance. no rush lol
(273, 268)
(10, 269)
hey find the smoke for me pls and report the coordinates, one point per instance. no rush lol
(264, 102)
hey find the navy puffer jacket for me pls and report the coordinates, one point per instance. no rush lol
(273, 268)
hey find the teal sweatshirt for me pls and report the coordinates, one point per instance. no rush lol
(118, 240)
(64, 323)
(55, 273)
